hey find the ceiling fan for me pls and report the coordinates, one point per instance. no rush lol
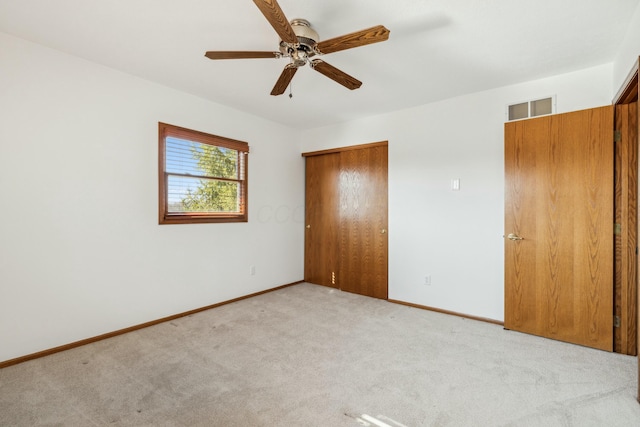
(299, 42)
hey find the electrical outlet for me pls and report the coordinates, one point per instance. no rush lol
(427, 280)
(252, 270)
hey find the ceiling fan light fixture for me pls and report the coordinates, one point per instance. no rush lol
(299, 42)
(299, 58)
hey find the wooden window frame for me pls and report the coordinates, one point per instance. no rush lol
(165, 217)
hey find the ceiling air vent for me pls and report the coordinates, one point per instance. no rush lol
(537, 107)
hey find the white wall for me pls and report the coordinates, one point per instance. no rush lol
(628, 52)
(454, 236)
(81, 251)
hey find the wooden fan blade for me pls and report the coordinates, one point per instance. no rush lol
(359, 38)
(229, 54)
(334, 74)
(274, 14)
(284, 80)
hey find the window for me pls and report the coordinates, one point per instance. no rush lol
(203, 177)
(538, 107)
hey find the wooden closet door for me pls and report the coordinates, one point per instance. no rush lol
(346, 219)
(322, 224)
(363, 222)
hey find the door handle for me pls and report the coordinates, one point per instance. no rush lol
(512, 236)
(383, 231)
(308, 225)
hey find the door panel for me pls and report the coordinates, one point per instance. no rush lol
(559, 199)
(321, 214)
(363, 221)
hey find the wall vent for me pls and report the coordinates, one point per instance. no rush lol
(534, 108)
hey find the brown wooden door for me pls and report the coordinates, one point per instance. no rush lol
(363, 222)
(559, 200)
(346, 219)
(321, 256)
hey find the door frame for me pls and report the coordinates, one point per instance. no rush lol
(630, 92)
(626, 228)
(347, 148)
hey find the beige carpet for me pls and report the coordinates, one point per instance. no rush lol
(312, 356)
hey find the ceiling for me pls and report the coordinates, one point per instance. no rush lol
(437, 48)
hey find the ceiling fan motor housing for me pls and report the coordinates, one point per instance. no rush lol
(307, 40)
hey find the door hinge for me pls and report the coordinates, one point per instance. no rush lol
(333, 277)
(617, 136)
(616, 321)
(617, 229)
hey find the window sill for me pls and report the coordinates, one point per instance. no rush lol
(201, 219)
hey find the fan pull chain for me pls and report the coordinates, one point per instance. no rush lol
(290, 91)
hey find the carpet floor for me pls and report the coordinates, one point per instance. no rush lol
(308, 355)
